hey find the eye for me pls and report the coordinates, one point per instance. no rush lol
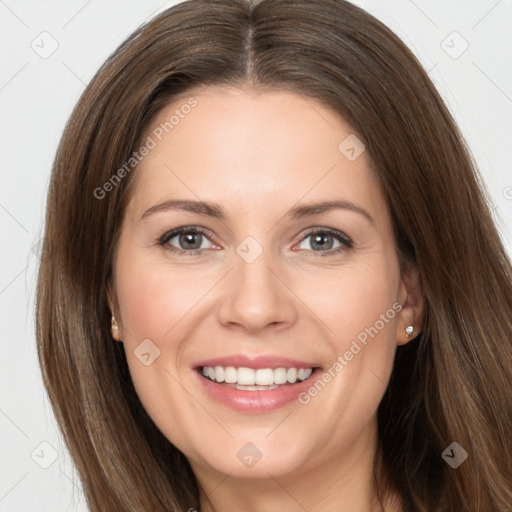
(192, 240)
(326, 240)
(188, 239)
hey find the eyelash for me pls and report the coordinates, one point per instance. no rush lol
(341, 237)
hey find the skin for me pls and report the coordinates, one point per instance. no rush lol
(258, 155)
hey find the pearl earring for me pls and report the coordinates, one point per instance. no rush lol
(114, 326)
(408, 331)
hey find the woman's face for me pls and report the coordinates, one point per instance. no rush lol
(300, 306)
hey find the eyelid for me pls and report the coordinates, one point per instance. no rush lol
(171, 233)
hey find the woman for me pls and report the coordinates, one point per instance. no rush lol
(271, 279)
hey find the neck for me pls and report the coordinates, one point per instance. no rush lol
(343, 483)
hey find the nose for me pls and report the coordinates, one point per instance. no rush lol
(257, 295)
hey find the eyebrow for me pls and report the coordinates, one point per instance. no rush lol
(214, 210)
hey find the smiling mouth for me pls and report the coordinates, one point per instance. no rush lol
(249, 379)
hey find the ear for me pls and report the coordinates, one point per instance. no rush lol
(112, 304)
(410, 296)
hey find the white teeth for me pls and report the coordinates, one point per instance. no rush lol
(246, 376)
(304, 373)
(261, 379)
(219, 374)
(230, 375)
(280, 376)
(265, 377)
(292, 375)
(255, 388)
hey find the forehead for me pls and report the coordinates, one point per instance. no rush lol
(247, 149)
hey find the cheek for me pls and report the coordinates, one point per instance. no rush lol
(153, 298)
(360, 309)
(354, 299)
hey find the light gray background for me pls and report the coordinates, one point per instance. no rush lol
(37, 93)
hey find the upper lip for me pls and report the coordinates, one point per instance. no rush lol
(256, 362)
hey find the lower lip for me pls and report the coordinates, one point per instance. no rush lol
(256, 401)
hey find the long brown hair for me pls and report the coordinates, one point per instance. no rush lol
(451, 384)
